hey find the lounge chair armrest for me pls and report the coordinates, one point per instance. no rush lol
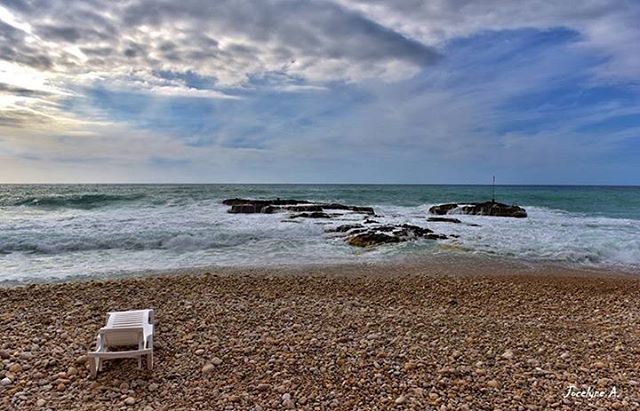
(118, 354)
(136, 328)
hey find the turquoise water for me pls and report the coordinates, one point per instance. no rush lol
(54, 231)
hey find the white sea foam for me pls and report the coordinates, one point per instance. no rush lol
(41, 243)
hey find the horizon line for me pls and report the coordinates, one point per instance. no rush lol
(334, 184)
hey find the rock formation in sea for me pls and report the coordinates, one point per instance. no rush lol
(358, 235)
(443, 220)
(249, 206)
(368, 234)
(488, 208)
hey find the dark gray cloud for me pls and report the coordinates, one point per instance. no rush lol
(20, 91)
(313, 27)
(13, 47)
(316, 40)
(233, 41)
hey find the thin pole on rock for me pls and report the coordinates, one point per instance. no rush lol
(493, 191)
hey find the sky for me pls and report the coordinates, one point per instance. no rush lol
(320, 91)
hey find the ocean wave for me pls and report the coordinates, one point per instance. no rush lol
(179, 242)
(131, 228)
(556, 235)
(79, 201)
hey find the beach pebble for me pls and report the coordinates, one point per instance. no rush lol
(216, 361)
(41, 403)
(152, 387)
(401, 400)
(130, 401)
(493, 384)
(199, 351)
(507, 355)
(5, 381)
(26, 355)
(82, 359)
(208, 368)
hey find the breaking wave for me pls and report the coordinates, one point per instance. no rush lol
(60, 231)
(79, 201)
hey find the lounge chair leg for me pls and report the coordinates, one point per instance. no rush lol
(93, 366)
(140, 347)
(150, 361)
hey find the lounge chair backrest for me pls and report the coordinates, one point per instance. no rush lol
(118, 337)
(126, 318)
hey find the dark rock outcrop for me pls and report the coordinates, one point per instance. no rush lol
(386, 234)
(442, 208)
(315, 214)
(443, 220)
(369, 233)
(246, 209)
(299, 208)
(346, 227)
(369, 239)
(357, 209)
(249, 206)
(488, 208)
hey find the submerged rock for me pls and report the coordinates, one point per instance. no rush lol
(315, 214)
(488, 208)
(246, 209)
(443, 220)
(346, 227)
(369, 239)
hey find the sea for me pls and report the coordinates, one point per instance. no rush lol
(53, 232)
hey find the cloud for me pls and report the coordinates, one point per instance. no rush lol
(231, 41)
(368, 90)
(608, 27)
(19, 91)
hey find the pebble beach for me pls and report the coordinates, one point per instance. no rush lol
(354, 337)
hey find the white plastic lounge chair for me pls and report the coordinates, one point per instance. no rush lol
(124, 328)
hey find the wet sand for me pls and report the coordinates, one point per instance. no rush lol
(468, 336)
